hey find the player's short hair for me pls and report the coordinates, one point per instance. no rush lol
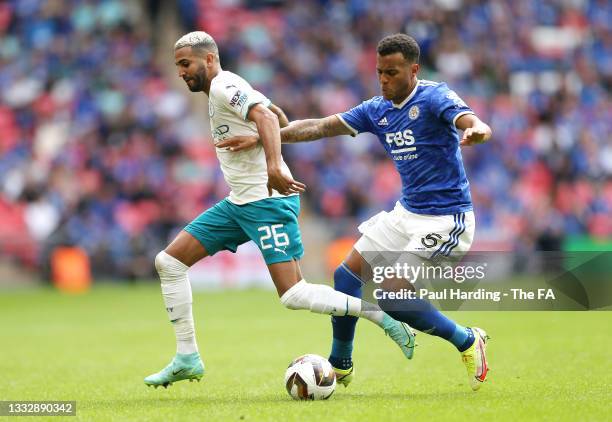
(400, 43)
(198, 40)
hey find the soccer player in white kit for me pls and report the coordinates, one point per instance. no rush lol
(263, 206)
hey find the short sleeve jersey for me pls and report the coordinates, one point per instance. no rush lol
(229, 102)
(420, 137)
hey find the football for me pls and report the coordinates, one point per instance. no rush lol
(310, 377)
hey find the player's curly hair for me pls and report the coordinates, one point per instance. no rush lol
(400, 43)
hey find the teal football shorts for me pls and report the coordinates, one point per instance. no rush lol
(271, 223)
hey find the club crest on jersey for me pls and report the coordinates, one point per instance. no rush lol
(383, 122)
(413, 113)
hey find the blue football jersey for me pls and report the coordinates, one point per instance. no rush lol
(420, 137)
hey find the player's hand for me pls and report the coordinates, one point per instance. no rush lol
(474, 135)
(238, 143)
(283, 183)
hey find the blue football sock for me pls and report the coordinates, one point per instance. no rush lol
(423, 316)
(345, 281)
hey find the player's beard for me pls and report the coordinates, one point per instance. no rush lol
(198, 80)
(398, 94)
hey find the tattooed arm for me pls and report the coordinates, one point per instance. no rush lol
(313, 129)
(297, 131)
(283, 121)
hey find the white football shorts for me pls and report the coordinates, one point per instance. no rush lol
(437, 237)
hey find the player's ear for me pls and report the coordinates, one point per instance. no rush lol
(210, 59)
(414, 68)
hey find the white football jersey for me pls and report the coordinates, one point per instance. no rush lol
(246, 172)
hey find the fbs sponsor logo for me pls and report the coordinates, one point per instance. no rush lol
(400, 138)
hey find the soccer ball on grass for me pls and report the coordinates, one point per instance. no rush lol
(310, 377)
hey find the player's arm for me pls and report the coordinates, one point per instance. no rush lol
(245, 142)
(313, 129)
(475, 131)
(268, 129)
(297, 131)
(283, 121)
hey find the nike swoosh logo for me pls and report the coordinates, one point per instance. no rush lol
(178, 372)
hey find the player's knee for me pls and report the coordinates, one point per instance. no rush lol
(169, 266)
(159, 260)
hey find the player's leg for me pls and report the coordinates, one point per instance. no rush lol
(346, 280)
(387, 235)
(172, 265)
(350, 276)
(455, 236)
(296, 293)
(210, 232)
(272, 225)
(423, 316)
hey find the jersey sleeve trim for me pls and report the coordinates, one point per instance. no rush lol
(459, 115)
(352, 129)
(265, 102)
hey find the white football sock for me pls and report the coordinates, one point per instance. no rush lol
(323, 299)
(176, 291)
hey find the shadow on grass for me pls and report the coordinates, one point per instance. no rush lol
(179, 401)
(204, 401)
(412, 396)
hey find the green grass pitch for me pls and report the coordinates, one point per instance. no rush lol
(96, 349)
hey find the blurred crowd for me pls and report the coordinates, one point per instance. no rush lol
(98, 149)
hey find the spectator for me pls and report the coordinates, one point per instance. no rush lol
(97, 148)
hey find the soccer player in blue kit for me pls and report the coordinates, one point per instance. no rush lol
(416, 121)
